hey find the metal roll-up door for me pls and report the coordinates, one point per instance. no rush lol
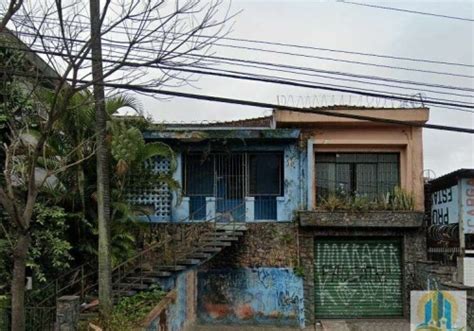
(357, 278)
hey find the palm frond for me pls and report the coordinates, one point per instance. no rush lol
(159, 149)
(113, 104)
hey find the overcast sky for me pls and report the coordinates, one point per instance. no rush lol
(331, 24)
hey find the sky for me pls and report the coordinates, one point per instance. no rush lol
(336, 25)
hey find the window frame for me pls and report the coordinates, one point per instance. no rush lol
(353, 168)
(246, 168)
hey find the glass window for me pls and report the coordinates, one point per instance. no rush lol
(362, 174)
(265, 174)
(199, 175)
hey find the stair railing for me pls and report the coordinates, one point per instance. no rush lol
(213, 222)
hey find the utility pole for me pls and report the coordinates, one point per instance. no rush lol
(102, 154)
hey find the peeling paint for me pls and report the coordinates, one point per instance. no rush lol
(250, 296)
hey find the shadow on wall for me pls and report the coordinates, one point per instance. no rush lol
(272, 296)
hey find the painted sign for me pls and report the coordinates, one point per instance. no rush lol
(445, 206)
(438, 310)
(467, 200)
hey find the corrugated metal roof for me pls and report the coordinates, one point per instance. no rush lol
(451, 178)
(255, 122)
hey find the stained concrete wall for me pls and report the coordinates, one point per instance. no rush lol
(262, 245)
(253, 281)
(181, 313)
(250, 296)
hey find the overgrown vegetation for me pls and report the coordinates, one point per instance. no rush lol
(63, 227)
(129, 312)
(399, 199)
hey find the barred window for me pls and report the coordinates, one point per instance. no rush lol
(364, 174)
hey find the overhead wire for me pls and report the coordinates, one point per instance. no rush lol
(299, 46)
(278, 66)
(216, 43)
(234, 101)
(407, 11)
(343, 89)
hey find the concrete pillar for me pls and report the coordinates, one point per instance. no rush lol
(210, 208)
(181, 212)
(67, 313)
(249, 209)
(310, 174)
(282, 210)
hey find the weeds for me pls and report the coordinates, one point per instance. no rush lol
(399, 199)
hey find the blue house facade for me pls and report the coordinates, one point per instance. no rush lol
(229, 174)
(317, 200)
(245, 172)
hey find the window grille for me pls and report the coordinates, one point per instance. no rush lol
(363, 174)
(230, 177)
(156, 196)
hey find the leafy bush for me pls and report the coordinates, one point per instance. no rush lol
(129, 312)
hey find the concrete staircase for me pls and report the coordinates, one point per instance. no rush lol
(142, 277)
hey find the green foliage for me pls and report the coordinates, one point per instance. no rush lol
(399, 199)
(5, 263)
(333, 202)
(402, 200)
(299, 271)
(50, 251)
(130, 311)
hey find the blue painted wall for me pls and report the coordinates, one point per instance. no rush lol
(285, 205)
(183, 311)
(250, 296)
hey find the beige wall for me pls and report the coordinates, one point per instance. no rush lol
(345, 135)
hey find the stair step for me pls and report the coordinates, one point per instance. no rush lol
(138, 279)
(171, 267)
(132, 286)
(189, 261)
(209, 249)
(232, 227)
(217, 243)
(220, 237)
(157, 273)
(199, 256)
(229, 233)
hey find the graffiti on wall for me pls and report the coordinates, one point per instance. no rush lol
(353, 274)
(254, 296)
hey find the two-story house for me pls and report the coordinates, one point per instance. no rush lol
(332, 207)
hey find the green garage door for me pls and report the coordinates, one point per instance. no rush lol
(357, 278)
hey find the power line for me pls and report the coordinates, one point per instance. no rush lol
(298, 46)
(278, 107)
(407, 11)
(257, 104)
(280, 81)
(348, 80)
(346, 61)
(281, 65)
(342, 60)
